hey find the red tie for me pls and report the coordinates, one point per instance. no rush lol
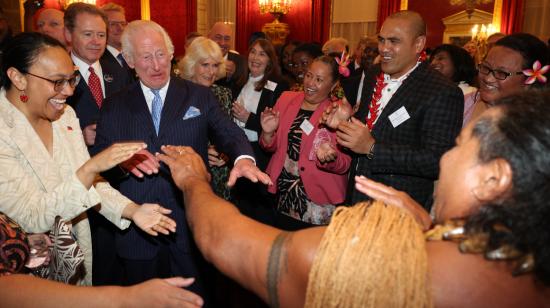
(95, 87)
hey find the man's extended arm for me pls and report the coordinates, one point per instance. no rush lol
(273, 264)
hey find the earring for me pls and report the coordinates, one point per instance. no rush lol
(23, 97)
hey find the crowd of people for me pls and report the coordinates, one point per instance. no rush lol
(304, 172)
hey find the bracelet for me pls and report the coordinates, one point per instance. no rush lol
(370, 154)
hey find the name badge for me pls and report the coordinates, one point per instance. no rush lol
(270, 85)
(306, 127)
(399, 116)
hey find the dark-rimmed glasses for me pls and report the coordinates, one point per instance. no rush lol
(498, 74)
(60, 84)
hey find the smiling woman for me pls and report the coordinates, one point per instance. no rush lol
(505, 70)
(203, 64)
(309, 169)
(49, 181)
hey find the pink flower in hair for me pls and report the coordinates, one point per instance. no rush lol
(343, 62)
(537, 73)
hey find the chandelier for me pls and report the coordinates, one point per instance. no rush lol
(276, 7)
(470, 4)
(277, 31)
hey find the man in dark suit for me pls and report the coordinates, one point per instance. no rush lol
(353, 86)
(413, 115)
(116, 19)
(86, 31)
(235, 64)
(161, 110)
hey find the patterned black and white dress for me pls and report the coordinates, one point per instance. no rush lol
(293, 200)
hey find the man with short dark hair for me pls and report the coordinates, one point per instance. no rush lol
(408, 117)
(86, 31)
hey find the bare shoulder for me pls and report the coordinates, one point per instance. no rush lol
(468, 280)
(300, 253)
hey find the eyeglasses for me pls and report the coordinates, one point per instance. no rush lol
(498, 74)
(121, 24)
(60, 84)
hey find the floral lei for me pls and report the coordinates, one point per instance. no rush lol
(375, 102)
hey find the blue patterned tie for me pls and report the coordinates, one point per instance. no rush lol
(156, 109)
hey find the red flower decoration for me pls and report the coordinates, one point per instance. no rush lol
(537, 73)
(343, 62)
(423, 56)
(69, 128)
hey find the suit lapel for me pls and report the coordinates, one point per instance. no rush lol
(400, 97)
(175, 103)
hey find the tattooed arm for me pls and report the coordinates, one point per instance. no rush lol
(273, 264)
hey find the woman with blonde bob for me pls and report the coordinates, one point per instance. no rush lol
(203, 64)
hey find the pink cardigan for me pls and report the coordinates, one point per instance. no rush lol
(324, 184)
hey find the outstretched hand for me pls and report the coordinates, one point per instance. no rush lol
(114, 155)
(142, 162)
(246, 168)
(152, 219)
(167, 292)
(393, 197)
(185, 165)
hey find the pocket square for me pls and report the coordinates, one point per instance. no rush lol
(192, 112)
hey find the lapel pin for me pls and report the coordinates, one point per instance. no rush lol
(108, 78)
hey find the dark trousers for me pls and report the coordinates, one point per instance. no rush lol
(106, 266)
(166, 264)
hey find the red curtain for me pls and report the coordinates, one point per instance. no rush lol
(320, 21)
(385, 9)
(178, 18)
(512, 16)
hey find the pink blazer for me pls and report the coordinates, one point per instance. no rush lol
(324, 184)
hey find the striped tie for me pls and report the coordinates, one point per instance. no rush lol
(95, 87)
(156, 109)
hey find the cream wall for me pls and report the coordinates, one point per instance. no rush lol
(537, 18)
(353, 19)
(354, 11)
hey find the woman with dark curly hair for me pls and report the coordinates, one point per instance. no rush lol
(491, 210)
(457, 65)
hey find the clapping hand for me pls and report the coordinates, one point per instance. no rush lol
(326, 153)
(239, 112)
(336, 113)
(355, 136)
(269, 120)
